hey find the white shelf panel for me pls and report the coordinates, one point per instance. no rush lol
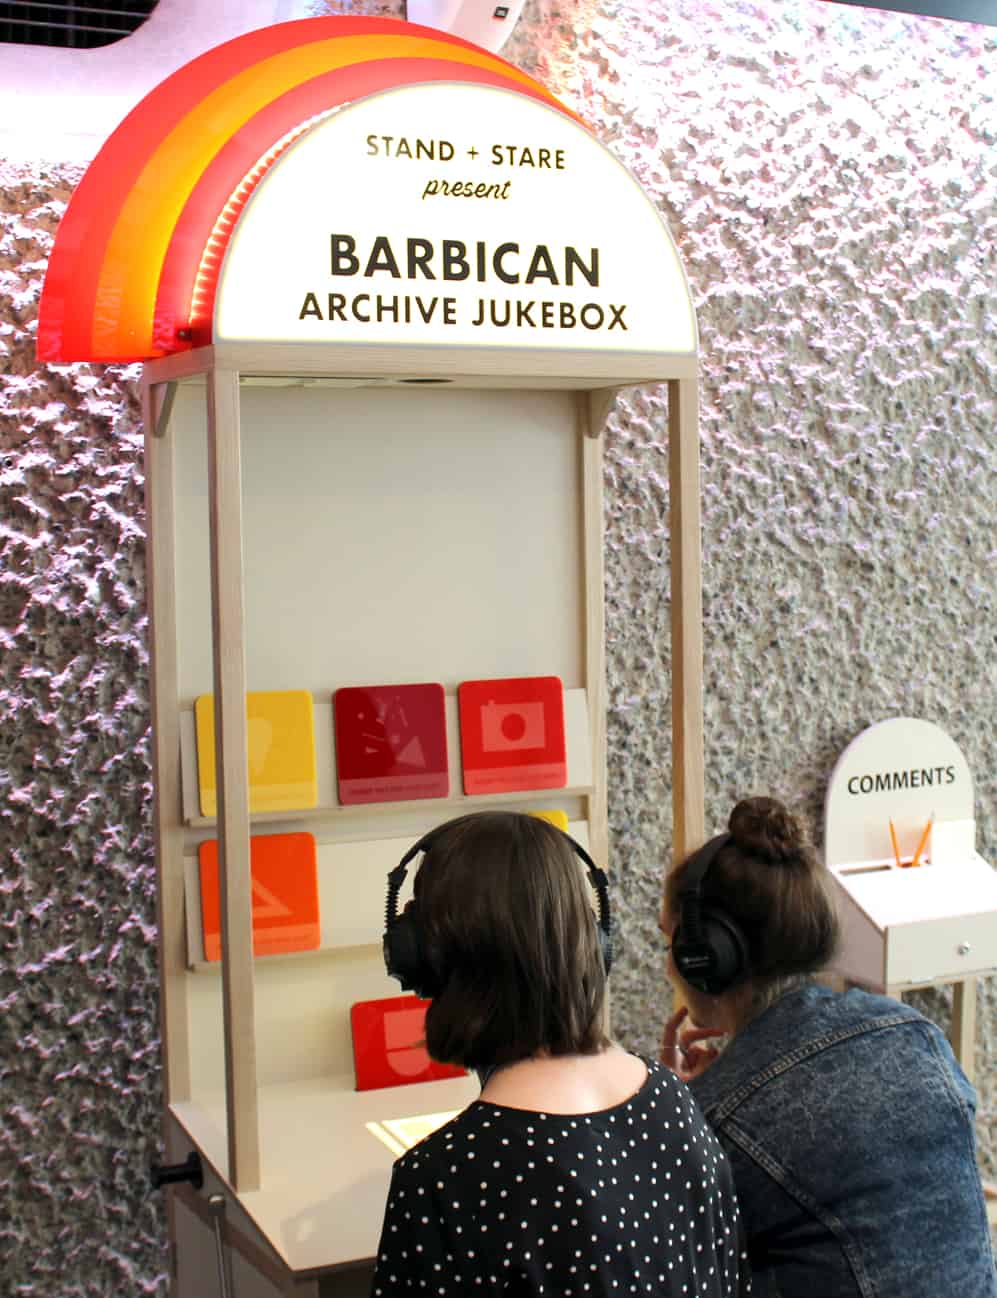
(406, 534)
(578, 751)
(352, 879)
(325, 1175)
(464, 367)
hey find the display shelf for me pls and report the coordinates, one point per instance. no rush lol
(359, 366)
(579, 782)
(319, 1210)
(352, 883)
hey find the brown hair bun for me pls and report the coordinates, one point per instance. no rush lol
(764, 828)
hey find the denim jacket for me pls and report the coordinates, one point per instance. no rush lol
(849, 1128)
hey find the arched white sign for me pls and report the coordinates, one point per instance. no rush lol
(454, 214)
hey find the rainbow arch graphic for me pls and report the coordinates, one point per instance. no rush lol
(150, 220)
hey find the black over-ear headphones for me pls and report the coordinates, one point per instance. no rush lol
(404, 947)
(709, 949)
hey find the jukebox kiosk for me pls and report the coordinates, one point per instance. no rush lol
(384, 288)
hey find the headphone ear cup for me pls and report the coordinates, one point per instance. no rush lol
(405, 957)
(727, 940)
(603, 917)
(717, 958)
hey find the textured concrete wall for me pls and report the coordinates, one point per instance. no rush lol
(79, 1052)
(830, 176)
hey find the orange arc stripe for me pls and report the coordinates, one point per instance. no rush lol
(126, 289)
(65, 316)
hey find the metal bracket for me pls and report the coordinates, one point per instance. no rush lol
(216, 1207)
(166, 409)
(191, 1169)
(600, 403)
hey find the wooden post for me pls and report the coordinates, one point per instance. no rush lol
(687, 619)
(962, 1033)
(164, 689)
(595, 619)
(232, 778)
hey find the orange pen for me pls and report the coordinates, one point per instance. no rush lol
(924, 839)
(893, 840)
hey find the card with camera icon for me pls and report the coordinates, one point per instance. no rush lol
(512, 734)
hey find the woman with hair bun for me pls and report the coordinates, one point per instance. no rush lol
(846, 1119)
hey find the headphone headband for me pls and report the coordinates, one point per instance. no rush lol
(396, 877)
(690, 905)
(404, 955)
(700, 862)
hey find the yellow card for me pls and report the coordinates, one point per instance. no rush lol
(557, 818)
(281, 743)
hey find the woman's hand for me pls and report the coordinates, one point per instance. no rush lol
(683, 1052)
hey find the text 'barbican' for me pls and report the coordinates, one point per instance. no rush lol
(455, 260)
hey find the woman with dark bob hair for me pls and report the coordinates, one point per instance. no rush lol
(582, 1170)
(847, 1121)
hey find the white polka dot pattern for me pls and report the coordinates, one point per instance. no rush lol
(636, 1199)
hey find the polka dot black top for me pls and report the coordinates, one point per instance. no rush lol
(636, 1199)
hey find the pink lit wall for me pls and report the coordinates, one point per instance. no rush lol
(829, 174)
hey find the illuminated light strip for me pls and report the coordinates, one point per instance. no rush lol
(126, 289)
(127, 286)
(206, 276)
(74, 265)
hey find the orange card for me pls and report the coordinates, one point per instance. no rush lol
(285, 895)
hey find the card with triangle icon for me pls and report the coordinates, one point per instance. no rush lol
(284, 894)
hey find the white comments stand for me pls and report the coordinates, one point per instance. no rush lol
(908, 926)
(904, 925)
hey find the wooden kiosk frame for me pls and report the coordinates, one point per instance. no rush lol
(594, 382)
(235, 235)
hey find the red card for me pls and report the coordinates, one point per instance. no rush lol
(512, 734)
(391, 743)
(388, 1045)
(285, 895)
